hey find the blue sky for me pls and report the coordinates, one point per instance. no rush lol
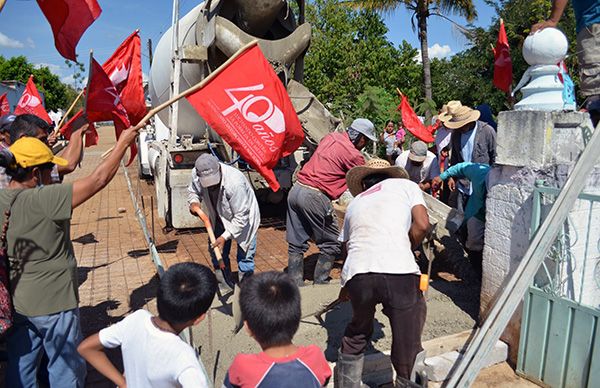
(25, 31)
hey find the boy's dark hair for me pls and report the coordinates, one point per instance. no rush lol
(270, 304)
(186, 291)
(27, 125)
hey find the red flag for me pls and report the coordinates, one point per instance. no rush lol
(103, 103)
(69, 19)
(31, 102)
(502, 63)
(67, 129)
(4, 105)
(248, 106)
(91, 136)
(411, 121)
(124, 68)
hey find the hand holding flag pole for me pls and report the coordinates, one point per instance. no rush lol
(187, 92)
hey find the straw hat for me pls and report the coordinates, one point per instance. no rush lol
(460, 115)
(355, 176)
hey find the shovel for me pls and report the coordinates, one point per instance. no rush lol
(235, 304)
(212, 238)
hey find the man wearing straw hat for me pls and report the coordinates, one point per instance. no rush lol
(385, 221)
(310, 214)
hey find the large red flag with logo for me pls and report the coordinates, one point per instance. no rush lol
(69, 19)
(4, 105)
(248, 106)
(31, 102)
(103, 103)
(124, 68)
(503, 72)
(413, 124)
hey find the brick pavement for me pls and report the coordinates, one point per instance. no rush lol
(116, 273)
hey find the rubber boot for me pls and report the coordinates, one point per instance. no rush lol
(323, 268)
(348, 371)
(296, 268)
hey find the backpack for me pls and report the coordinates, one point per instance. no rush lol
(6, 307)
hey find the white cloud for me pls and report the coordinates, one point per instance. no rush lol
(436, 51)
(56, 69)
(30, 43)
(7, 42)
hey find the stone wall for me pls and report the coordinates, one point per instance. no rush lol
(532, 146)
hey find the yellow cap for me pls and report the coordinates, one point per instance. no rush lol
(30, 152)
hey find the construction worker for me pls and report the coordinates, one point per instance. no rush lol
(310, 213)
(232, 209)
(383, 224)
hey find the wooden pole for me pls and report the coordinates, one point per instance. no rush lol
(189, 91)
(62, 120)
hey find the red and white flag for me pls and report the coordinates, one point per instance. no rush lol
(503, 72)
(103, 103)
(69, 19)
(248, 106)
(31, 102)
(413, 123)
(124, 68)
(4, 105)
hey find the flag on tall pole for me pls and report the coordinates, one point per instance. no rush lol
(69, 19)
(124, 68)
(103, 103)
(248, 106)
(31, 102)
(4, 105)
(503, 71)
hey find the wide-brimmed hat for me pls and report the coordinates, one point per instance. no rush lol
(460, 115)
(355, 176)
(31, 152)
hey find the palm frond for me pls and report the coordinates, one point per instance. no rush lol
(464, 8)
(384, 7)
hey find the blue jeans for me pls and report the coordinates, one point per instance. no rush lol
(245, 259)
(58, 335)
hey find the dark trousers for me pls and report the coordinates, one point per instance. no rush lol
(310, 214)
(403, 304)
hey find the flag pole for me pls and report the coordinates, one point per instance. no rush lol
(189, 91)
(62, 120)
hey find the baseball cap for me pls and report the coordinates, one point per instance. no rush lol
(30, 152)
(6, 121)
(365, 127)
(208, 170)
(418, 151)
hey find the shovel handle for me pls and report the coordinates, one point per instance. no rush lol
(211, 235)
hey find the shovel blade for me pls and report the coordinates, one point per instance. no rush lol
(238, 320)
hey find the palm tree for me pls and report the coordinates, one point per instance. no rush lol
(421, 10)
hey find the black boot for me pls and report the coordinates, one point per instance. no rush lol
(323, 268)
(348, 371)
(296, 268)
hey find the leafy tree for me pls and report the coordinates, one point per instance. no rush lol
(57, 95)
(351, 66)
(422, 10)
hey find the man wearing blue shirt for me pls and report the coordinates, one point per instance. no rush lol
(477, 174)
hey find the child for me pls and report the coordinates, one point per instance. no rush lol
(270, 304)
(153, 353)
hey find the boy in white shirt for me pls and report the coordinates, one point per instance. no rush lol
(153, 353)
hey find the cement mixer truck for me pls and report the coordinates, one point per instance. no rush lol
(194, 46)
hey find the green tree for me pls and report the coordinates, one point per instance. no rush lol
(422, 10)
(57, 94)
(350, 53)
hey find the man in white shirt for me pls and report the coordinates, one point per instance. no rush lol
(417, 162)
(232, 209)
(385, 221)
